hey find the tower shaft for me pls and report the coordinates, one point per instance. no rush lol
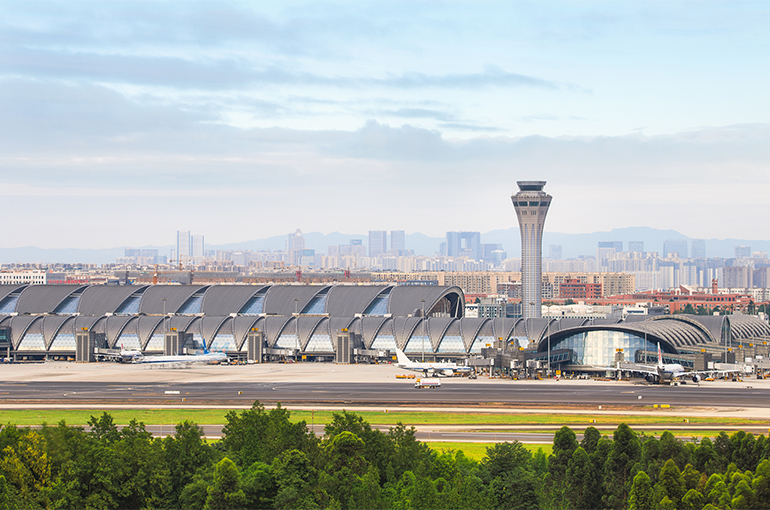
(531, 204)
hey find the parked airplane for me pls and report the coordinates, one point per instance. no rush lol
(429, 368)
(130, 354)
(184, 359)
(668, 372)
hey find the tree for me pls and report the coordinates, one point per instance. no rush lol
(296, 480)
(582, 485)
(378, 447)
(514, 490)
(670, 483)
(625, 452)
(226, 492)
(258, 486)
(503, 458)
(590, 440)
(692, 500)
(344, 465)
(185, 454)
(642, 496)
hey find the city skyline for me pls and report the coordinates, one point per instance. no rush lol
(634, 112)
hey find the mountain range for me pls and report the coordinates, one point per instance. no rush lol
(573, 245)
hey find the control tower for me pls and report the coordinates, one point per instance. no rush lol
(531, 204)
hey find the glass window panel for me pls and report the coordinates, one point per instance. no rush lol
(130, 306)
(418, 344)
(192, 306)
(223, 342)
(317, 305)
(451, 344)
(384, 343)
(129, 341)
(379, 306)
(320, 343)
(9, 305)
(63, 342)
(480, 343)
(156, 342)
(287, 341)
(254, 306)
(69, 306)
(32, 342)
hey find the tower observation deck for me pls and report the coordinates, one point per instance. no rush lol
(531, 204)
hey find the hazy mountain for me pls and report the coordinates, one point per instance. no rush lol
(573, 245)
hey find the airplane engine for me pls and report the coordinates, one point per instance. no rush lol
(448, 372)
(650, 378)
(696, 378)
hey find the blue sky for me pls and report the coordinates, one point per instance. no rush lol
(129, 120)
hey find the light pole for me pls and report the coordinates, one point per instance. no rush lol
(423, 329)
(549, 346)
(165, 324)
(296, 321)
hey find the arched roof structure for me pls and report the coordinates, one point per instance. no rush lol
(40, 299)
(103, 299)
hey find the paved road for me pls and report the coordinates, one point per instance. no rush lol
(62, 393)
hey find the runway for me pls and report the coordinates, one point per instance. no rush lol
(453, 393)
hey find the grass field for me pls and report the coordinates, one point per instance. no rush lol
(478, 451)
(217, 416)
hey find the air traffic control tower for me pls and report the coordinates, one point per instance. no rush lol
(531, 204)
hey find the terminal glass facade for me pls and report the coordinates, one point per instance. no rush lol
(598, 348)
(418, 344)
(156, 342)
(32, 342)
(320, 343)
(63, 342)
(451, 345)
(223, 342)
(384, 342)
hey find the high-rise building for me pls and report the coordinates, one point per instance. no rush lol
(531, 204)
(378, 243)
(698, 248)
(295, 243)
(742, 252)
(397, 241)
(183, 246)
(678, 246)
(554, 251)
(637, 246)
(464, 244)
(198, 250)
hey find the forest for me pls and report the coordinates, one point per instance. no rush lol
(264, 460)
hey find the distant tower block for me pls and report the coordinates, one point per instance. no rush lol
(531, 204)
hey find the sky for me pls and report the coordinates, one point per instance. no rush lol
(123, 122)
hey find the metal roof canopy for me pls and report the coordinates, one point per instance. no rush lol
(44, 298)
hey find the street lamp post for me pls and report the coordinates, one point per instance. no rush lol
(423, 329)
(296, 321)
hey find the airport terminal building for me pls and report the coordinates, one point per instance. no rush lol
(337, 322)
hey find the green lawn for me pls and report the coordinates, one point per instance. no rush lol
(478, 451)
(217, 416)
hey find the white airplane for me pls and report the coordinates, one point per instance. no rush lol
(184, 359)
(130, 354)
(668, 372)
(428, 368)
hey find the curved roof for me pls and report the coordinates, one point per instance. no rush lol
(308, 325)
(404, 327)
(347, 300)
(91, 323)
(470, 328)
(147, 327)
(747, 326)
(407, 299)
(242, 325)
(5, 290)
(53, 324)
(280, 298)
(176, 296)
(19, 326)
(102, 299)
(371, 327)
(273, 326)
(437, 327)
(210, 326)
(222, 300)
(337, 324)
(44, 298)
(116, 325)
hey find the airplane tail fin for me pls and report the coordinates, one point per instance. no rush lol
(402, 359)
(660, 356)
